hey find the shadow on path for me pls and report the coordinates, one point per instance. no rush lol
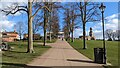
(15, 65)
(75, 60)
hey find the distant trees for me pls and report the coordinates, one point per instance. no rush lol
(36, 24)
(109, 34)
(55, 27)
(53, 19)
(118, 34)
(112, 35)
(20, 27)
(69, 20)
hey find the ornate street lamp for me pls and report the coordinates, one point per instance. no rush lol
(102, 8)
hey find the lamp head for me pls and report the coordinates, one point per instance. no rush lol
(102, 7)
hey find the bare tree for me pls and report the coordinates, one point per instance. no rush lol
(88, 13)
(73, 17)
(114, 36)
(109, 34)
(20, 27)
(31, 15)
(118, 34)
(70, 18)
(51, 18)
(36, 24)
(65, 30)
(67, 23)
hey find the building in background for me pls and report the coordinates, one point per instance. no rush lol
(10, 36)
(60, 35)
(90, 37)
(35, 36)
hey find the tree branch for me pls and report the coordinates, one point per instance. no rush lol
(39, 9)
(20, 8)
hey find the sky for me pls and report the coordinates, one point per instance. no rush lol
(111, 15)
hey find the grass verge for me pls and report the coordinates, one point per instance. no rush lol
(111, 46)
(18, 58)
(47, 41)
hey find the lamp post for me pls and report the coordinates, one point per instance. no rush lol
(102, 8)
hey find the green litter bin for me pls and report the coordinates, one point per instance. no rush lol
(99, 55)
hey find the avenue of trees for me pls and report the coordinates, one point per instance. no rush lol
(45, 15)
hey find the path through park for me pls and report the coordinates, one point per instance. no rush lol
(62, 54)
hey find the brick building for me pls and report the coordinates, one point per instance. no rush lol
(9, 36)
(35, 36)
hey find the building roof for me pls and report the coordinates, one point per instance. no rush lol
(10, 32)
(7, 36)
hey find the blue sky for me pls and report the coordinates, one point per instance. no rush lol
(111, 13)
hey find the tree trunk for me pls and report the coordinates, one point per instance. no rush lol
(72, 37)
(33, 32)
(72, 29)
(30, 31)
(50, 36)
(69, 36)
(84, 34)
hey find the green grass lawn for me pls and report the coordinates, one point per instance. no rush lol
(112, 49)
(47, 41)
(41, 41)
(18, 57)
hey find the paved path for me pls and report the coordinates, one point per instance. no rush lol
(62, 54)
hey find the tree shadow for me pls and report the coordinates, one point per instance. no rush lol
(85, 61)
(13, 64)
(16, 65)
(18, 52)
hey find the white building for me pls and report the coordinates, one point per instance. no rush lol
(60, 34)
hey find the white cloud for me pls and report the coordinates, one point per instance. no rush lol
(6, 25)
(112, 16)
(77, 32)
(110, 23)
(98, 34)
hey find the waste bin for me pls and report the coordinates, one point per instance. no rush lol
(98, 55)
